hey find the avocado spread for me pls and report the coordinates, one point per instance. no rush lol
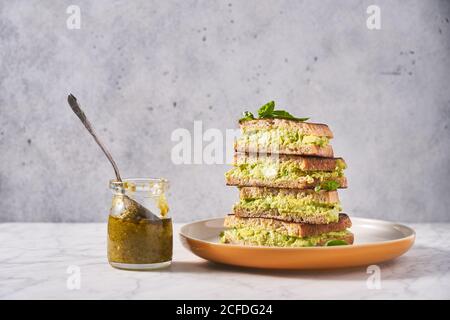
(280, 136)
(289, 170)
(262, 237)
(292, 206)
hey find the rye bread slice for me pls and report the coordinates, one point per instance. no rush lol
(257, 192)
(304, 163)
(307, 150)
(318, 218)
(289, 228)
(307, 128)
(294, 184)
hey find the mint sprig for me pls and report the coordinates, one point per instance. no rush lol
(329, 185)
(247, 115)
(268, 111)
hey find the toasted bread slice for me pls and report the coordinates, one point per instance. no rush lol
(308, 128)
(318, 218)
(307, 150)
(285, 171)
(266, 232)
(296, 205)
(289, 228)
(300, 183)
(321, 196)
(303, 163)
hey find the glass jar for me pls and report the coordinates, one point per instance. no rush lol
(139, 229)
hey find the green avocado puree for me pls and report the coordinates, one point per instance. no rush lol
(262, 237)
(289, 170)
(292, 206)
(281, 136)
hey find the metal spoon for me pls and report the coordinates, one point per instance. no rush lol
(131, 209)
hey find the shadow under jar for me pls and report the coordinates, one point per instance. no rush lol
(140, 235)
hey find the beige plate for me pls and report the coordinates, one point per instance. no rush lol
(375, 241)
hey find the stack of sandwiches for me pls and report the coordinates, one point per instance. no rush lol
(287, 177)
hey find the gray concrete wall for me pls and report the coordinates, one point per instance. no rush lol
(144, 68)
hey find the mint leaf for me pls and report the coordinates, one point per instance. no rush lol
(281, 114)
(247, 115)
(330, 185)
(333, 243)
(266, 110)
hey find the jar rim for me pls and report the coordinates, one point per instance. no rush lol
(139, 180)
(154, 185)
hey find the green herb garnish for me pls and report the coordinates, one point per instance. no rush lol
(333, 243)
(247, 115)
(330, 185)
(268, 111)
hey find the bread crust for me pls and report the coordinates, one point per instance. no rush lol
(349, 238)
(290, 228)
(307, 150)
(304, 163)
(274, 214)
(261, 192)
(309, 128)
(291, 184)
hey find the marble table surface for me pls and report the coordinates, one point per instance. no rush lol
(68, 261)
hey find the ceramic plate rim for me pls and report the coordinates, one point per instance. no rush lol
(411, 231)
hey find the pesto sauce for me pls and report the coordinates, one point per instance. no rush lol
(139, 241)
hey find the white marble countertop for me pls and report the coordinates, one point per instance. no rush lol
(36, 258)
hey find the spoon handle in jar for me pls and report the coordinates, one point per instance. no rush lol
(80, 114)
